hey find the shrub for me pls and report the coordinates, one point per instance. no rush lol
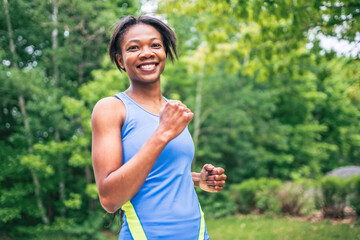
(354, 193)
(267, 197)
(218, 204)
(334, 191)
(260, 195)
(244, 195)
(297, 198)
(68, 228)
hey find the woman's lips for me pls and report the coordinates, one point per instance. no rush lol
(147, 67)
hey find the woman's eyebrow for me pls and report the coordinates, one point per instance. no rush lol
(138, 40)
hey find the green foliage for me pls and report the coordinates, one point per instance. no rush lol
(45, 133)
(91, 191)
(297, 198)
(245, 195)
(36, 163)
(74, 201)
(68, 228)
(334, 191)
(257, 194)
(267, 196)
(80, 158)
(216, 204)
(354, 193)
(270, 106)
(9, 199)
(107, 81)
(271, 196)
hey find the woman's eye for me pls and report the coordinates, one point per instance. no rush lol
(156, 45)
(132, 48)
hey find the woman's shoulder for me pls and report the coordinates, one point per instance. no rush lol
(109, 110)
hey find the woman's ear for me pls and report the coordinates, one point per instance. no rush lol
(120, 61)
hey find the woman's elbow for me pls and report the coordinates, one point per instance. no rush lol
(110, 200)
(108, 205)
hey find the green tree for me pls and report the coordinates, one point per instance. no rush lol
(261, 88)
(50, 49)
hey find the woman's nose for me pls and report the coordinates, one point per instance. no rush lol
(146, 53)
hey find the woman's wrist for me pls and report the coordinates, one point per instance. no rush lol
(196, 179)
(163, 136)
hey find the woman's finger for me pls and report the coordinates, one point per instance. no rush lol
(215, 183)
(217, 171)
(208, 167)
(217, 177)
(216, 188)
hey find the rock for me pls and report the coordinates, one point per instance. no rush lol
(345, 172)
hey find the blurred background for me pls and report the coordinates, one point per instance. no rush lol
(274, 85)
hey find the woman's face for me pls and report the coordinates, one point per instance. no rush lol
(142, 53)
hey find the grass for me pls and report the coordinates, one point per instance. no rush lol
(260, 227)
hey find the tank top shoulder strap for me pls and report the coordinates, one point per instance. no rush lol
(135, 113)
(123, 97)
(129, 108)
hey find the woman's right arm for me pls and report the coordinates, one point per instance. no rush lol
(117, 182)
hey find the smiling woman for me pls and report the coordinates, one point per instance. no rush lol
(167, 36)
(141, 147)
(142, 53)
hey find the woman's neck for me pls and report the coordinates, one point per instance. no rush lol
(148, 96)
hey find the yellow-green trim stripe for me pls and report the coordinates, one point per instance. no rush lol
(133, 221)
(202, 225)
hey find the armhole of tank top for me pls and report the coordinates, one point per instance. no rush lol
(118, 96)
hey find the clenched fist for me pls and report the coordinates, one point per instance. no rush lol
(212, 179)
(174, 117)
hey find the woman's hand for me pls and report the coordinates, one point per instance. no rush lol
(174, 117)
(212, 179)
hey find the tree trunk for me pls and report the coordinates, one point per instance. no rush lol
(54, 39)
(10, 33)
(89, 180)
(33, 173)
(21, 100)
(62, 178)
(40, 205)
(54, 45)
(81, 72)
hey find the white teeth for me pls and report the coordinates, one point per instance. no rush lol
(147, 67)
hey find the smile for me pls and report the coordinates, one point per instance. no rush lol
(148, 67)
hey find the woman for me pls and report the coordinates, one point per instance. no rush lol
(141, 147)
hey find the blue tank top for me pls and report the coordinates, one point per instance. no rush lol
(166, 206)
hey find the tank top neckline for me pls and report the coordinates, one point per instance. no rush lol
(132, 100)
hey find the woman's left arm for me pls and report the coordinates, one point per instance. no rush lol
(210, 179)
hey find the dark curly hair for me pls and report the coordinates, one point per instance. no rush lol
(167, 34)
